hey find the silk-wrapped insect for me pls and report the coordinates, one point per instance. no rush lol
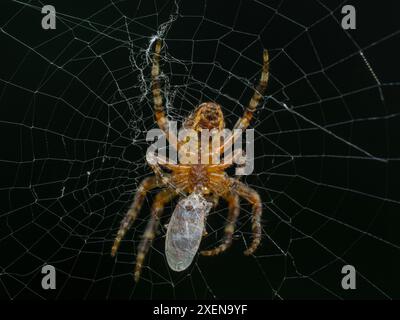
(185, 230)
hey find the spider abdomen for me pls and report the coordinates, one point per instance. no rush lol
(185, 231)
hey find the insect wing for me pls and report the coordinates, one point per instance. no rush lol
(185, 231)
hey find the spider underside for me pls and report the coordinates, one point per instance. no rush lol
(207, 180)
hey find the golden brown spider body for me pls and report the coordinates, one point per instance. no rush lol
(202, 178)
(197, 183)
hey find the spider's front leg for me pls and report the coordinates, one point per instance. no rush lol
(157, 209)
(145, 186)
(244, 121)
(161, 117)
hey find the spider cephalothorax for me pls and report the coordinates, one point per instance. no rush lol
(208, 116)
(200, 185)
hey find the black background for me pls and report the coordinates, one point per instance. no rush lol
(51, 138)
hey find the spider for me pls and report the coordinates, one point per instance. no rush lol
(200, 184)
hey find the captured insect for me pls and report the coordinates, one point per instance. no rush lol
(199, 185)
(185, 231)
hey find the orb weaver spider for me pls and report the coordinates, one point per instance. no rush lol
(201, 185)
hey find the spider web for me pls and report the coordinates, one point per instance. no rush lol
(76, 105)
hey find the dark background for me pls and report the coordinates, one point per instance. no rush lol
(71, 103)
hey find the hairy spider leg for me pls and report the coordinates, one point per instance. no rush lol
(234, 208)
(244, 121)
(145, 186)
(161, 118)
(161, 199)
(254, 199)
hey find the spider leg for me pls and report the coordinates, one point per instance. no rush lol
(157, 209)
(244, 121)
(145, 186)
(254, 199)
(234, 208)
(239, 158)
(214, 199)
(161, 118)
(156, 163)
